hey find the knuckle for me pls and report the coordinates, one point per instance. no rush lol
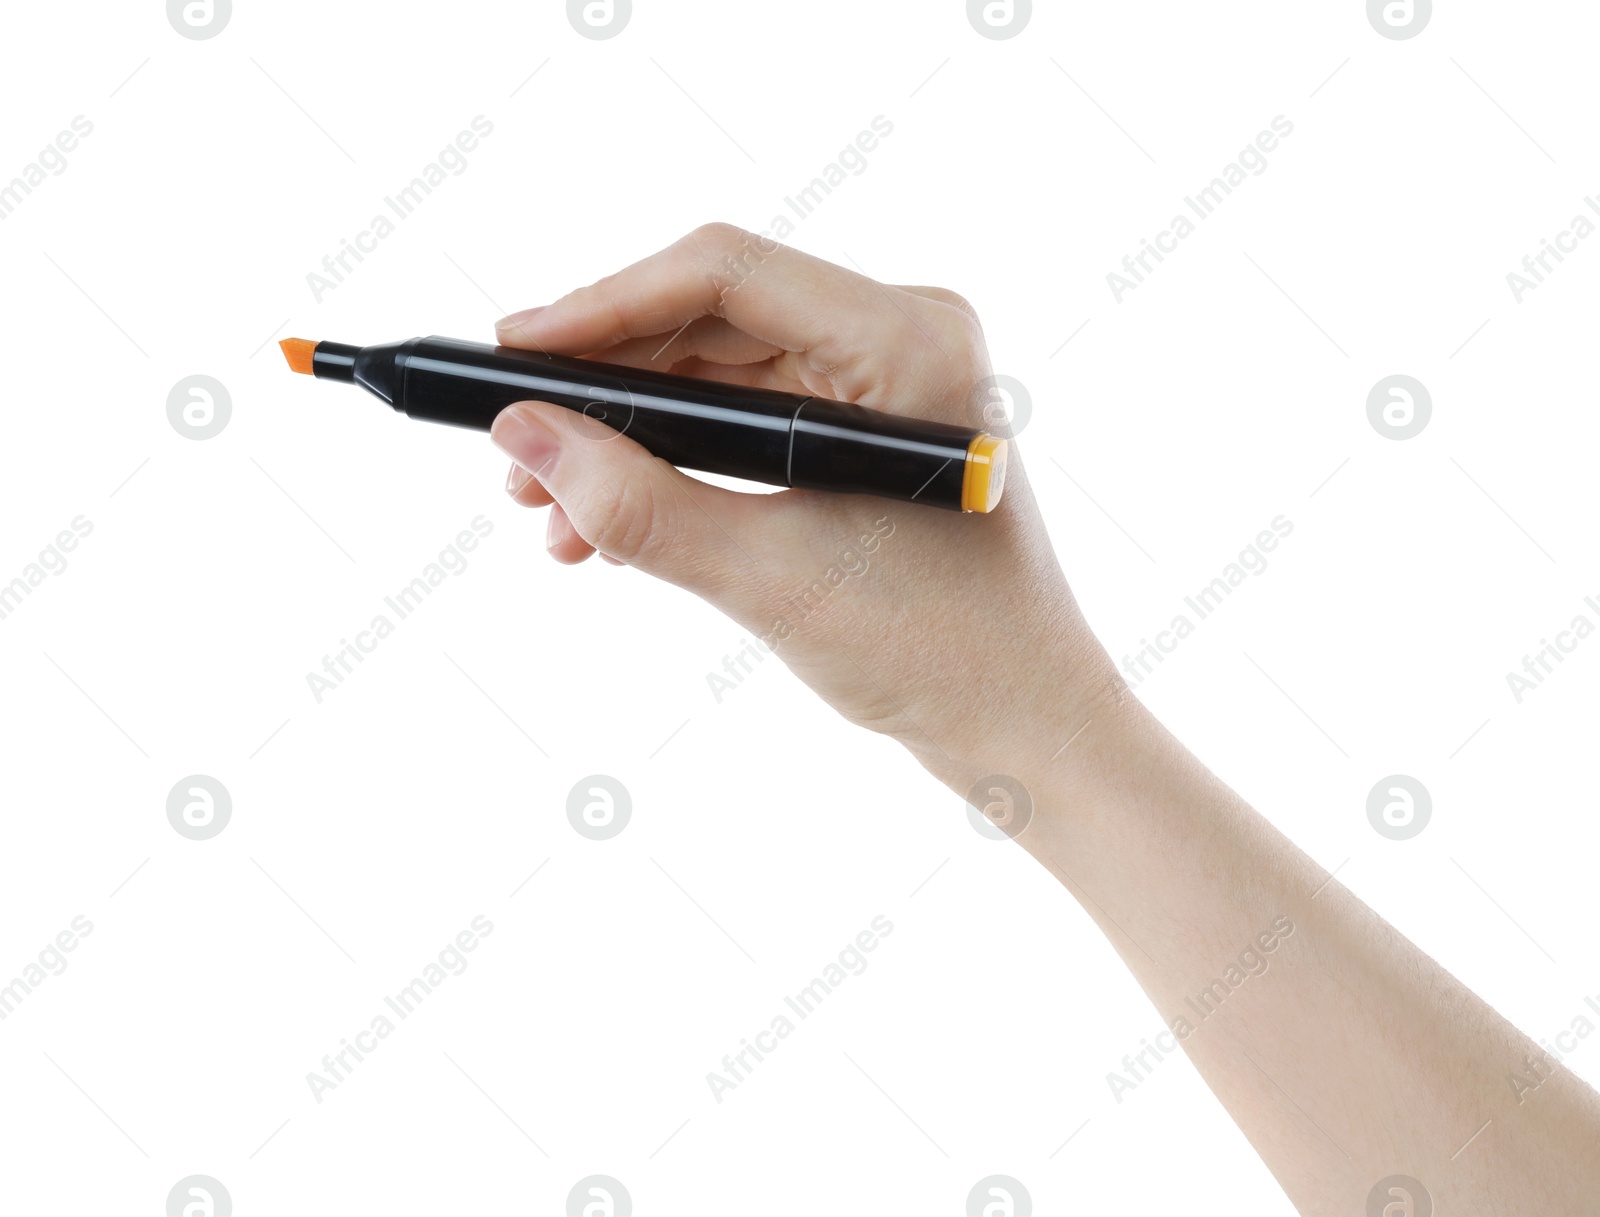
(599, 299)
(718, 237)
(964, 339)
(953, 324)
(958, 302)
(719, 252)
(622, 522)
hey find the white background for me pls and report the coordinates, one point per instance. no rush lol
(369, 829)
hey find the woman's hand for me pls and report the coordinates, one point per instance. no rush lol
(1356, 1059)
(928, 626)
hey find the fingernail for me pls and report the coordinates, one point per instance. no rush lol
(516, 320)
(517, 478)
(526, 440)
(558, 530)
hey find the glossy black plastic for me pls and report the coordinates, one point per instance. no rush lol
(759, 434)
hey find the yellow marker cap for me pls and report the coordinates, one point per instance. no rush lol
(985, 477)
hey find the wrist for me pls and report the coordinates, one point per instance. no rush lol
(1056, 735)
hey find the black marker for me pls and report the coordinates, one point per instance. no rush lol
(758, 434)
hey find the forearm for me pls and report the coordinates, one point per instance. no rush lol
(1343, 1052)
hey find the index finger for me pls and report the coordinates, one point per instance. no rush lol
(853, 329)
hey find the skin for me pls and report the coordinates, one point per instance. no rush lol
(1355, 1057)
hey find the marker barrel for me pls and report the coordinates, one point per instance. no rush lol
(759, 434)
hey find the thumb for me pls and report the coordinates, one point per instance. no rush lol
(629, 505)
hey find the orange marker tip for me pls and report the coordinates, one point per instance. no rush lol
(298, 352)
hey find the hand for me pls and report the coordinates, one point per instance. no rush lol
(928, 626)
(958, 636)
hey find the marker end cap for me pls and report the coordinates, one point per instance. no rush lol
(985, 477)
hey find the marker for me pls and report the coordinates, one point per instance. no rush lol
(761, 435)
